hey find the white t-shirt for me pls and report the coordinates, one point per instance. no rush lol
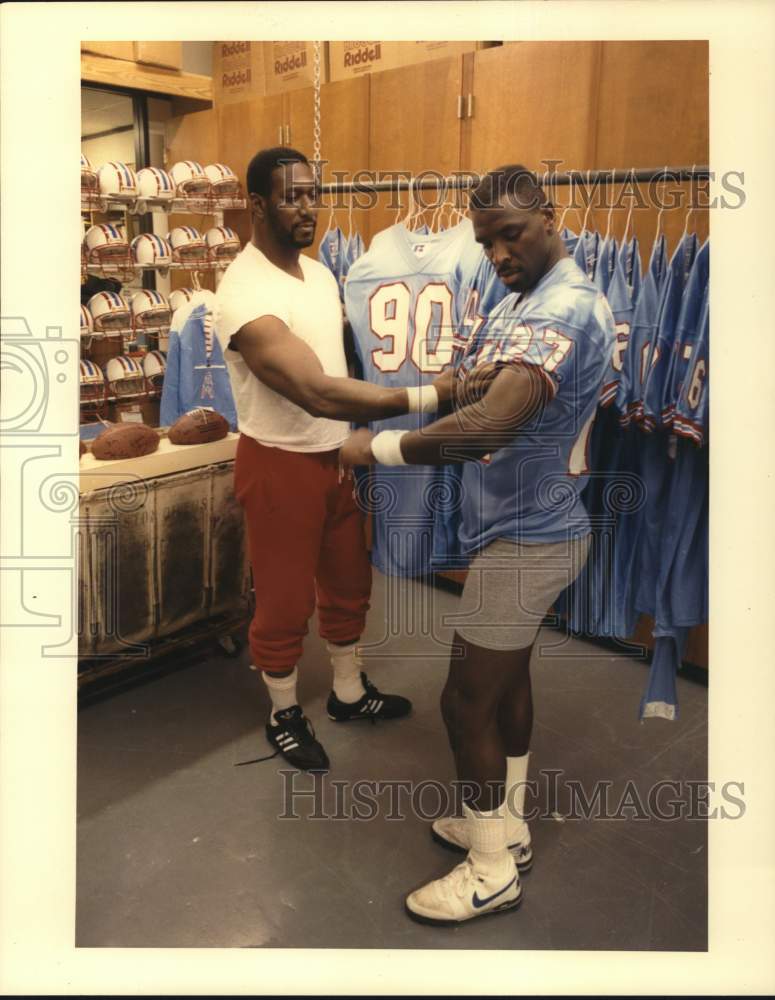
(253, 286)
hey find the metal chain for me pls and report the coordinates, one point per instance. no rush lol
(316, 119)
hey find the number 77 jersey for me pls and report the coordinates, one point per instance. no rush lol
(402, 301)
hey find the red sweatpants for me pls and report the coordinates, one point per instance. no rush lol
(305, 534)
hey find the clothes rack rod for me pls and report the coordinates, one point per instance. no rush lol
(580, 177)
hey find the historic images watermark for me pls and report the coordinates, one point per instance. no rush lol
(551, 795)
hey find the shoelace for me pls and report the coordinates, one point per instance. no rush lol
(458, 878)
(298, 726)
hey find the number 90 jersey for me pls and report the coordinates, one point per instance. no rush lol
(529, 490)
(402, 301)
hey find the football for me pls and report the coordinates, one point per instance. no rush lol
(199, 426)
(125, 441)
(82, 448)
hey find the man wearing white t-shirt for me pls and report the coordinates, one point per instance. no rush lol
(279, 322)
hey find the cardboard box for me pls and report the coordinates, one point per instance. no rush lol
(113, 50)
(238, 71)
(350, 59)
(166, 54)
(291, 65)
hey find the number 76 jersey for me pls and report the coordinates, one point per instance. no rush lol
(402, 301)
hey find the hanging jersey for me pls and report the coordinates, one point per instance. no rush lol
(606, 260)
(632, 381)
(570, 239)
(354, 249)
(332, 252)
(401, 300)
(692, 407)
(662, 346)
(530, 490)
(196, 372)
(629, 258)
(686, 333)
(621, 307)
(585, 254)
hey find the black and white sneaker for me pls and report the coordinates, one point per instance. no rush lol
(294, 738)
(372, 705)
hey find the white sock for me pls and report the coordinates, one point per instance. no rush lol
(488, 850)
(282, 691)
(517, 831)
(347, 672)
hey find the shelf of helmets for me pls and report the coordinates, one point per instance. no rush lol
(124, 340)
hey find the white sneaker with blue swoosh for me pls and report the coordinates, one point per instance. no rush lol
(466, 893)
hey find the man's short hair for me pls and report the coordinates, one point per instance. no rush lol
(265, 162)
(513, 184)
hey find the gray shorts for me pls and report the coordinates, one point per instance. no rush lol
(510, 587)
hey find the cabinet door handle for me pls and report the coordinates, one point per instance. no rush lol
(280, 134)
(470, 105)
(287, 135)
(460, 106)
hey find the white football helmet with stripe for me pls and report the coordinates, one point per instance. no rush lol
(187, 245)
(154, 367)
(151, 250)
(153, 182)
(106, 248)
(110, 313)
(150, 310)
(92, 386)
(223, 244)
(224, 183)
(125, 377)
(118, 181)
(179, 297)
(87, 323)
(189, 179)
(89, 182)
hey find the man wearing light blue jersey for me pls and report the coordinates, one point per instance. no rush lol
(526, 395)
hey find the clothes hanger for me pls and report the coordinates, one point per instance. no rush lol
(690, 211)
(629, 214)
(659, 232)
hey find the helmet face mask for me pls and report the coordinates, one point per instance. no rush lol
(224, 183)
(107, 251)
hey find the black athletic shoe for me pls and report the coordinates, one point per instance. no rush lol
(294, 738)
(372, 705)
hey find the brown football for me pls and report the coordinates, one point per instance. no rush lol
(198, 427)
(125, 441)
(82, 449)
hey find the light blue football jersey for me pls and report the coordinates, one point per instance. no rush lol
(402, 301)
(586, 252)
(530, 489)
(671, 301)
(629, 258)
(570, 239)
(692, 407)
(332, 252)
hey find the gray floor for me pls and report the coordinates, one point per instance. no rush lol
(177, 847)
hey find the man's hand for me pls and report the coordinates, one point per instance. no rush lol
(444, 385)
(357, 449)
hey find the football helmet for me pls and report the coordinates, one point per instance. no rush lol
(223, 244)
(187, 244)
(190, 180)
(150, 310)
(110, 313)
(89, 183)
(125, 377)
(224, 183)
(118, 181)
(153, 182)
(92, 388)
(148, 249)
(87, 323)
(179, 297)
(154, 367)
(107, 250)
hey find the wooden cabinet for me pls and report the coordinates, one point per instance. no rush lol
(533, 103)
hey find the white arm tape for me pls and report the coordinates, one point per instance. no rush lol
(386, 447)
(423, 399)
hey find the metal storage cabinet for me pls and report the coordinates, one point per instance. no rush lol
(157, 556)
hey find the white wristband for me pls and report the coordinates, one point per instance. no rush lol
(386, 447)
(423, 399)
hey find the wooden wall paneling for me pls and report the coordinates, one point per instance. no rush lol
(533, 102)
(344, 117)
(413, 125)
(243, 130)
(653, 105)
